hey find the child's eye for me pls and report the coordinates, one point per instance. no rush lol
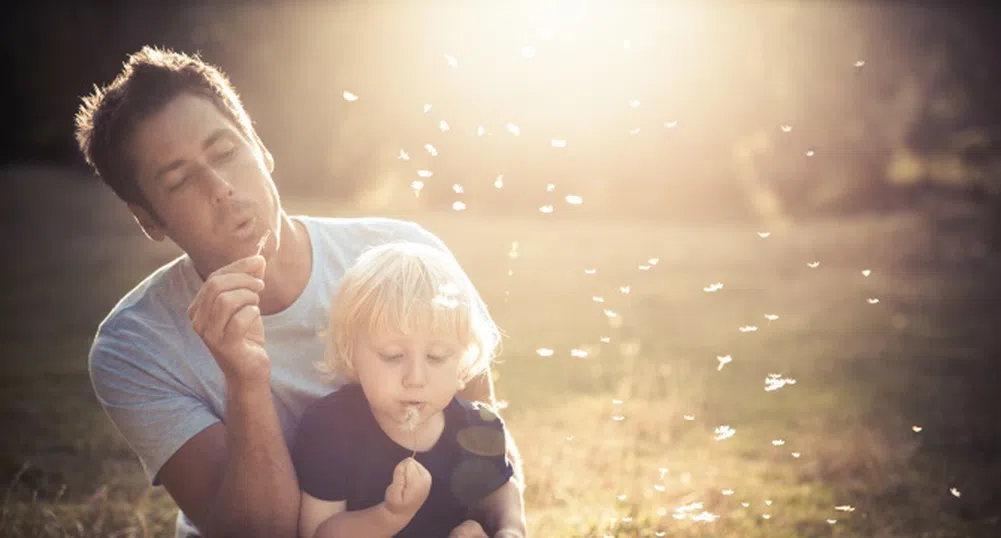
(391, 357)
(438, 358)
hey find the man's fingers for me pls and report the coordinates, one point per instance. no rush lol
(224, 308)
(214, 286)
(240, 323)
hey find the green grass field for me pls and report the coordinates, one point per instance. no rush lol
(620, 442)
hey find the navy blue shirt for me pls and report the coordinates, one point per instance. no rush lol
(341, 454)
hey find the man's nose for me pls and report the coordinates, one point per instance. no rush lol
(219, 187)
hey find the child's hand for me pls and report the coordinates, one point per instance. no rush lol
(468, 529)
(410, 488)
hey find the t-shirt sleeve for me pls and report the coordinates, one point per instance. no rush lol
(319, 454)
(483, 465)
(153, 411)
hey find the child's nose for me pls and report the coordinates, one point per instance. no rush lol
(416, 373)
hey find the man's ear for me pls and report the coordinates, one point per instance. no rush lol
(150, 225)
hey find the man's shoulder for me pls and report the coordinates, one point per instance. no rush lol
(362, 232)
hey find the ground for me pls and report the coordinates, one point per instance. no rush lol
(610, 371)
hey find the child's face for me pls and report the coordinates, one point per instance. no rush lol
(397, 372)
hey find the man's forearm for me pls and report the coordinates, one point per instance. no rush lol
(259, 494)
(374, 522)
(504, 510)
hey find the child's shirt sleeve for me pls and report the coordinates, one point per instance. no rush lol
(483, 466)
(320, 452)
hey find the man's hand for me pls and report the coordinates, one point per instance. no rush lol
(468, 529)
(226, 315)
(410, 488)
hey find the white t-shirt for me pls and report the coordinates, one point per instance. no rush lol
(155, 377)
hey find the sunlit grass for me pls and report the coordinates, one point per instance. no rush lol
(607, 447)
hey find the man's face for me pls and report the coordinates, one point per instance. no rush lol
(210, 187)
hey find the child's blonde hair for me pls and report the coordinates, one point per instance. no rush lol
(408, 288)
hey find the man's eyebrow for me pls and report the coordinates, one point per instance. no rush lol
(178, 163)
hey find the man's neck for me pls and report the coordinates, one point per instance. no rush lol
(288, 269)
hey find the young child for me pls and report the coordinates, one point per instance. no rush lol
(395, 452)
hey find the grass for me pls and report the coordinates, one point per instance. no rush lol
(608, 450)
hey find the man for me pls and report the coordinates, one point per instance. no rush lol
(206, 366)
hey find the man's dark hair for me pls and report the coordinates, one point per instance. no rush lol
(150, 78)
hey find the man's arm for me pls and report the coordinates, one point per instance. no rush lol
(481, 389)
(237, 478)
(497, 513)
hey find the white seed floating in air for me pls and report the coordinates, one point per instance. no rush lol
(671, 124)
(748, 328)
(458, 205)
(859, 63)
(872, 300)
(573, 199)
(634, 103)
(795, 454)
(916, 428)
(624, 289)
(604, 339)
(771, 317)
(764, 235)
(955, 492)
(644, 267)
(727, 492)
(845, 508)
(813, 265)
(513, 129)
(713, 287)
(724, 360)
(544, 352)
(634, 131)
(578, 353)
(350, 97)
(443, 125)
(452, 62)
(417, 186)
(427, 108)
(723, 432)
(832, 521)
(528, 52)
(590, 271)
(653, 261)
(546, 209)
(431, 150)
(689, 417)
(598, 299)
(425, 173)
(778, 442)
(457, 188)
(499, 181)
(404, 156)
(866, 272)
(480, 130)
(786, 128)
(810, 153)
(558, 143)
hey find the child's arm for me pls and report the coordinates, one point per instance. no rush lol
(319, 518)
(503, 512)
(331, 519)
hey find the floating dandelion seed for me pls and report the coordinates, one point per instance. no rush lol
(916, 428)
(417, 186)
(778, 442)
(624, 289)
(745, 505)
(457, 188)
(597, 298)
(955, 492)
(786, 128)
(723, 361)
(604, 339)
(832, 521)
(764, 235)
(410, 419)
(622, 497)
(546, 209)
(616, 401)
(590, 271)
(776, 381)
(795, 454)
(859, 63)
(727, 492)
(569, 438)
(578, 353)
(713, 287)
(443, 125)
(810, 153)
(610, 313)
(451, 60)
(458, 205)
(813, 265)
(845, 508)
(689, 417)
(404, 156)
(513, 253)
(573, 199)
(644, 267)
(872, 300)
(503, 404)
(748, 328)
(618, 418)
(766, 516)
(425, 173)
(653, 261)
(513, 129)
(659, 488)
(427, 108)
(771, 317)
(723, 432)
(499, 181)
(658, 534)
(634, 103)
(480, 130)
(528, 52)
(671, 124)
(350, 97)
(663, 472)
(431, 150)
(866, 272)
(634, 131)
(705, 517)
(550, 187)
(558, 143)
(768, 502)
(544, 352)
